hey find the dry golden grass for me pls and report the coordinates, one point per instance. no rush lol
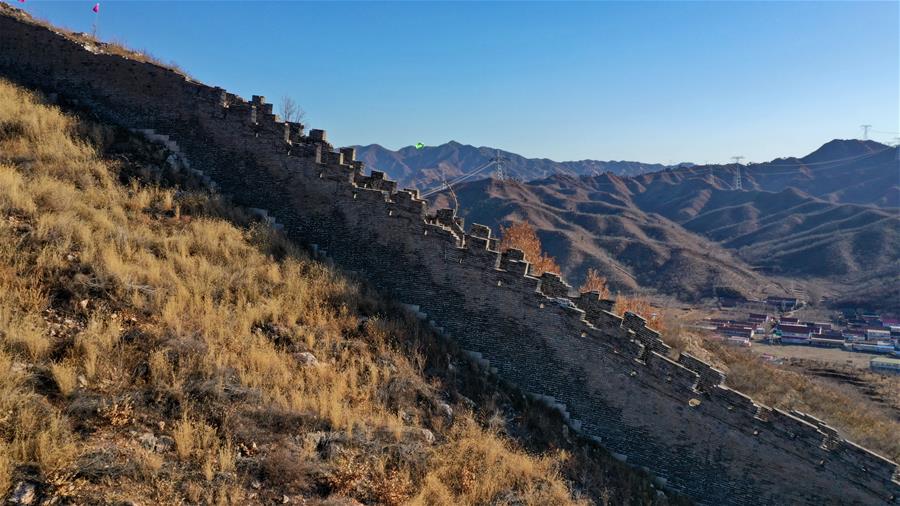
(149, 319)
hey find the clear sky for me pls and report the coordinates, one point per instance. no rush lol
(655, 82)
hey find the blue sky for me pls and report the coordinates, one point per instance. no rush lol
(655, 82)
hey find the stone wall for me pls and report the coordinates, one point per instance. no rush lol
(609, 375)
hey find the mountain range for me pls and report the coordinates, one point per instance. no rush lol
(427, 167)
(829, 224)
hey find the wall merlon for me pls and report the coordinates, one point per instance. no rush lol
(553, 286)
(437, 231)
(795, 428)
(349, 154)
(296, 131)
(591, 302)
(332, 158)
(513, 261)
(478, 244)
(646, 335)
(376, 181)
(448, 218)
(481, 231)
(671, 372)
(709, 375)
(735, 401)
(409, 201)
(318, 135)
(869, 461)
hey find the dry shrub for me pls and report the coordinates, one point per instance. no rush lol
(184, 438)
(149, 463)
(594, 282)
(290, 469)
(522, 236)
(6, 469)
(640, 306)
(479, 468)
(65, 377)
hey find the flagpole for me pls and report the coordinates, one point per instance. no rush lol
(96, 10)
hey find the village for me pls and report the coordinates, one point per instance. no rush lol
(781, 323)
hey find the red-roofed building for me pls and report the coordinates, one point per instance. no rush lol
(758, 318)
(794, 334)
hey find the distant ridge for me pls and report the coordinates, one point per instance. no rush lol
(423, 168)
(840, 171)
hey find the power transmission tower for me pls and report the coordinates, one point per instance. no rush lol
(865, 129)
(501, 175)
(737, 173)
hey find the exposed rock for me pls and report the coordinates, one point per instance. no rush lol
(420, 435)
(468, 403)
(164, 443)
(23, 493)
(148, 441)
(306, 358)
(444, 409)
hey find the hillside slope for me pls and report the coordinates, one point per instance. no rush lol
(787, 232)
(585, 229)
(689, 234)
(152, 350)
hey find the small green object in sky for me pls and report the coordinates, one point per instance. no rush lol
(419, 145)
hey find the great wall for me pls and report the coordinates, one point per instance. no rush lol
(611, 376)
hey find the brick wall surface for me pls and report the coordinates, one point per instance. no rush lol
(610, 375)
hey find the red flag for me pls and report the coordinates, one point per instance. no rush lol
(96, 7)
(21, 1)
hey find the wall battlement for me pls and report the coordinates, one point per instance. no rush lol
(611, 374)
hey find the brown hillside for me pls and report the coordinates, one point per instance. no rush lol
(152, 350)
(685, 236)
(584, 228)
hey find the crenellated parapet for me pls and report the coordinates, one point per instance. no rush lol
(613, 374)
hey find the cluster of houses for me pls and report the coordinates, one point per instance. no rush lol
(867, 332)
(739, 332)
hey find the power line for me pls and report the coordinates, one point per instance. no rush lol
(459, 179)
(825, 162)
(765, 165)
(817, 167)
(710, 168)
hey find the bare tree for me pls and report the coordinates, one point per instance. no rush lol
(290, 110)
